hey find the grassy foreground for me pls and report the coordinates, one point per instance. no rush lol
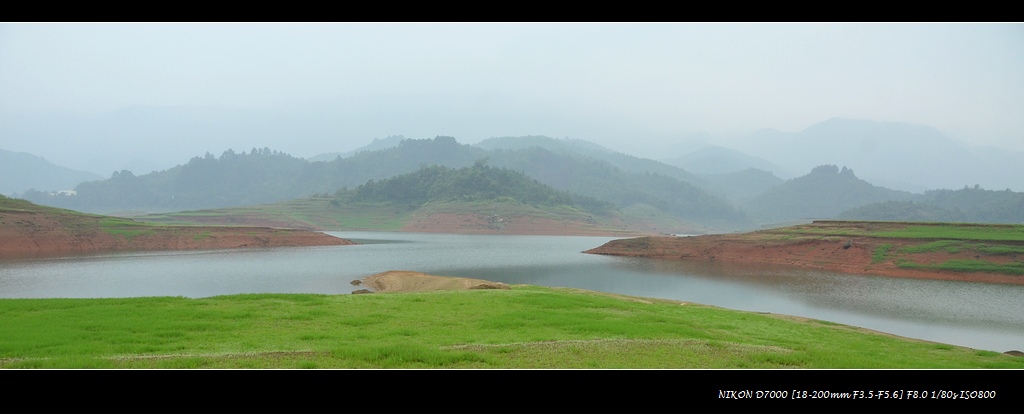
(525, 327)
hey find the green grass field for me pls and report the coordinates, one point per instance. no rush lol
(526, 327)
(952, 231)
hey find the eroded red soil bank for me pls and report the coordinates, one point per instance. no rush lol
(33, 234)
(845, 255)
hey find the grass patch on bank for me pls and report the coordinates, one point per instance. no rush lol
(881, 253)
(126, 228)
(907, 230)
(955, 246)
(526, 327)
(957, 231)
(968, 266)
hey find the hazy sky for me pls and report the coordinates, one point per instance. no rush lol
(312, 88)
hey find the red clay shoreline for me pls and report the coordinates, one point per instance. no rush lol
(853, 255)
(28, 234)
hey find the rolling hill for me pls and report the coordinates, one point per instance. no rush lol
(823, 193)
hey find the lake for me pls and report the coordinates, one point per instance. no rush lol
(981, 316)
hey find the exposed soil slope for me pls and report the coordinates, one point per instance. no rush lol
(852, 247)
(28, 230)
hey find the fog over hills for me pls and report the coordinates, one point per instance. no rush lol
(725, 201)
(377, 144)
(897, 155)
(878, 98)
(714, 159)
(21, 171)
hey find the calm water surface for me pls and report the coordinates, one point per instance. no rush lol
(982, 316)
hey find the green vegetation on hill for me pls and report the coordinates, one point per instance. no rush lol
(525, 327)
(16, 204)
(973, 205)
(471, 184)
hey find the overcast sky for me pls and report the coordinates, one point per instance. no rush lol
(335, 87)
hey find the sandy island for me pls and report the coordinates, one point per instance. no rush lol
(407, 281)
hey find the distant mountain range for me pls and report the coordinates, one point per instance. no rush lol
(20, 172)
(727, 188)
(264, 175)
(897, 155)
(714, 159)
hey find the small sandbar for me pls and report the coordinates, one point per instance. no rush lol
(406, 281)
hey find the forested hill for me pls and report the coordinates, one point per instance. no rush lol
(468, 184)
(823, 193)
(969, 204)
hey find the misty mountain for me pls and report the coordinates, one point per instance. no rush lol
(588, 149)
(602, 180)
(1002, 168)
(377, 144)
(714, 159)
(823, 193)
(899, 155)
(21, 172)
(562, 146)
(738, 187)
(102, 141)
